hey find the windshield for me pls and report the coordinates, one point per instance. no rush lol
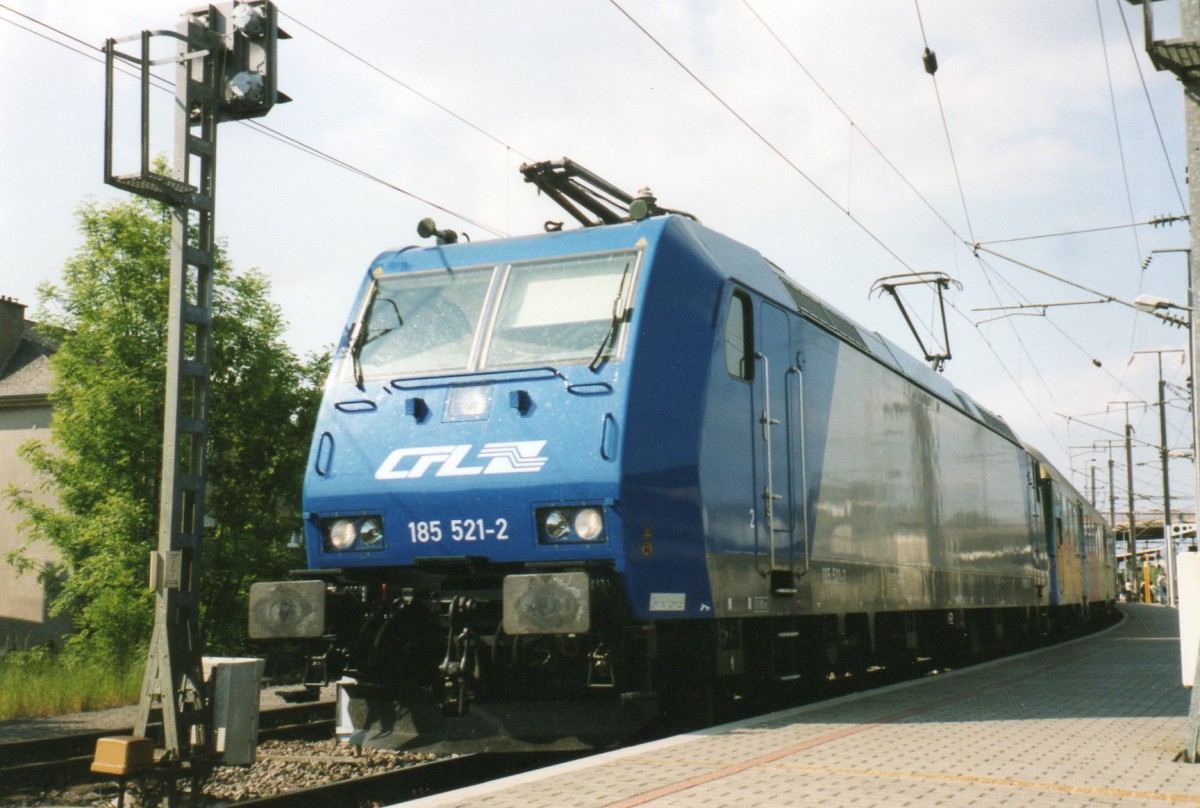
(557, 312)
(564, 311)
(423, 323)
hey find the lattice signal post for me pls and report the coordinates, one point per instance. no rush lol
(225, 70)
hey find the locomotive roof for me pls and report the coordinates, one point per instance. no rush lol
(728, 256)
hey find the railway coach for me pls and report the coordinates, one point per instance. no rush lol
(564, 482)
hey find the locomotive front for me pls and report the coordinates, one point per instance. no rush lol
(464, 538)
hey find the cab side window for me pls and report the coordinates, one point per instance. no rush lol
(739, 338)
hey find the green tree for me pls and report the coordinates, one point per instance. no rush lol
(103, 460)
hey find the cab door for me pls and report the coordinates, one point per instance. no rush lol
(779, 469)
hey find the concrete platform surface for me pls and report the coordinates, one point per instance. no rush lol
(1096, 722)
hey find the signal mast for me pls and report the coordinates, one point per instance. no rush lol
(224, 71)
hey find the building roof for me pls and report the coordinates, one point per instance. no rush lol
(25, 365)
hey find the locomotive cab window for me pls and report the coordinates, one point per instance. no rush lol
(565, 311)
(423, 323)
(739, 338)
(562, 311)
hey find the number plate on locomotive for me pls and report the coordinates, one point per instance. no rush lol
(437, 530)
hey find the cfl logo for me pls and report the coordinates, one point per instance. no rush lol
(514, 457)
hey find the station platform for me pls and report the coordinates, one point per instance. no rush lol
(1095, 722)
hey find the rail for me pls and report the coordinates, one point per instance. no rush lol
(67, 758)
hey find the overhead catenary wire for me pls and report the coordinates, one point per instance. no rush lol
(1156, 222)
(390, 77)
(1137, 243)
(1112, 97)
(1037, 411)
(834, 102)
(987, 275)
(930, 61)
(987, 271)
(932, 70)
(854, 126)
(340, 163)
(47, 26)
(1071, 340)
(1046, 273)
(857, 128)
(827, 196)
(1144, 488)
(760, 136)
(1162, 142)
(1032, 360)
(1133, 440)
(943, 219)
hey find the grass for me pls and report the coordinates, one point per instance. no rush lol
(35, 684)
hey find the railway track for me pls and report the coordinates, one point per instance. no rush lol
(67, 758)
(62, 763)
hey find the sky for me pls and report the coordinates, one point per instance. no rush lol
(808, 130)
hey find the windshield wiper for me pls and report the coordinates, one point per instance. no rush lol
(618, 316)
(362, 334)
(374, 335)
(358, 340)
(356, 345)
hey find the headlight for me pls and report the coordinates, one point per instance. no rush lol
(469, 403)
(342, 534)
(345, 533)
(580, 523)
(557, 525)
(370, 532)
(588, 524)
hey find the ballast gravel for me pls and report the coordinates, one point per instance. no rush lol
(290, 765)
(281, 766)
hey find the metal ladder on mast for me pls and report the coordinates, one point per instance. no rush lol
(173, 667)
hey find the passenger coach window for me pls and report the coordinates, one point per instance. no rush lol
(739, 338)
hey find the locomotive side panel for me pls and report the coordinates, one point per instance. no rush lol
(926, 506)
(890, 499)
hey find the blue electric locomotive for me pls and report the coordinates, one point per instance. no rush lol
(561, 482)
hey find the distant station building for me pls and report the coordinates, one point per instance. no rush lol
(24, 413)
